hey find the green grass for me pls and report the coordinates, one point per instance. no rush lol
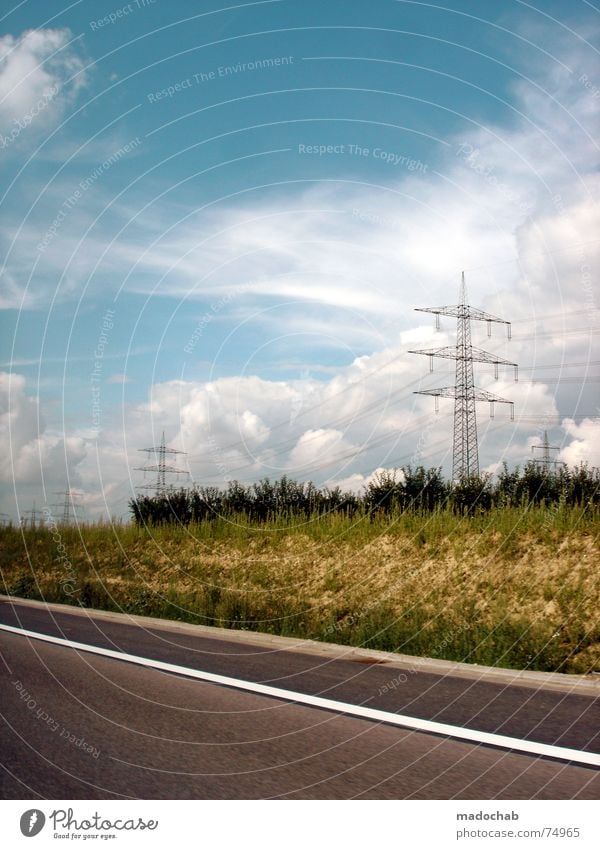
(512, 588)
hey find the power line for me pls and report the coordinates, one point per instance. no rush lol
(465, 455)
(354, 452)
(522, 419)
(313, 407)
(309, 409)
(571, 378)
(519, 260)
(349, 418)
(283, 445)
(560, 365)
(551, 315)
(554, 334)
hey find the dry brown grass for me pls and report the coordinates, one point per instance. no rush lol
(497, 590)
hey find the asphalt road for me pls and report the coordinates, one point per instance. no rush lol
(79, 726)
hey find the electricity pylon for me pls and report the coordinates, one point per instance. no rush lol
(67, 506)
(545, 460)
(33, 518)
(160, 467)
(465, 454)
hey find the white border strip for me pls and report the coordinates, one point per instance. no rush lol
(575, 756)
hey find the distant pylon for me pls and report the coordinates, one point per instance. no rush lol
(33, 515)
(545, 460)
(160, 467)
(465, 454)
(67, 506)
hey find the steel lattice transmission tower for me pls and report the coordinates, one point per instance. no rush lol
(465, 454)
(68, 507)
(34, 518)
(160, 467)
(545, 460)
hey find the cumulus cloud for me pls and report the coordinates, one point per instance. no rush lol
(358, 483)
(363, 417)
(514, 205)
(585, 443)
(41, 71)
(36, 457)
(315, 445)
(20, 421)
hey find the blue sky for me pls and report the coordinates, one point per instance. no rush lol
(218, 222)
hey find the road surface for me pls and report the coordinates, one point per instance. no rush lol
(78, 725)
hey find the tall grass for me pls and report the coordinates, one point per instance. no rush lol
(508, 586)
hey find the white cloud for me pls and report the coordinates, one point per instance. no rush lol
(585, 443)
(19, 423)
(119, 379)
(358, 483)
(515, 206)
(506, 203)
(363, 418)
(314, 446)
(41, 72)
(35, 455)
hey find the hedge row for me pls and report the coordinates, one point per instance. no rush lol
(420, 489)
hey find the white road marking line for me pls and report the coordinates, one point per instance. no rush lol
(530, 747)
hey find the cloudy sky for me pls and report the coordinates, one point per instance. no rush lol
(218, 223)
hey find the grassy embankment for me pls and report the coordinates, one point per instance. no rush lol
(511, 588)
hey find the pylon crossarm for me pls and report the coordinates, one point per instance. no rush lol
(443, 392)
(453, 310)
(447, 352)
(482, 395)
(477, 354)
(161, 468)
(452, 392)
(480, 315)
(161, 450)
(477, 395)
(481, 356)
(466, 311)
